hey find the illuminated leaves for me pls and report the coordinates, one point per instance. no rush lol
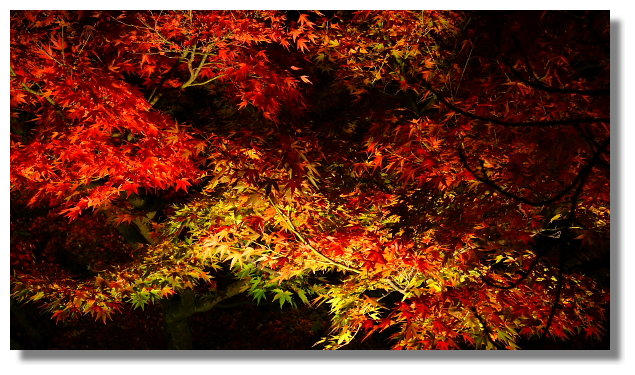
(182, 184)
(357, 159)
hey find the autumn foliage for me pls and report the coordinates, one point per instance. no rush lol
(438, 176)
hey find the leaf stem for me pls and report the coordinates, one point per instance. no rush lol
(315, 251)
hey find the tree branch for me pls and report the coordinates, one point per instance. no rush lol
(535, 83)
(208, 81)
(194, 72)
(206, 304)
(484, 178)
(26, 88)
(315, 251)
(566, 236)
(493, 120)
(524, 274)
(486, 330)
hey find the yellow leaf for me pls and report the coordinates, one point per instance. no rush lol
(556, 217)
(37, 296)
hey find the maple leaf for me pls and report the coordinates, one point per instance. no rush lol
(399, 198)
(72, 213)
(124, 218)
(167, 291)
(442, 345)
(302, 44)
(130, 187)
(594, 332)
(295, 33)
(59, 315)
(304, 20)
(182, 184)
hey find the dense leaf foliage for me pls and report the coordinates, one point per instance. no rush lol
(441, 176)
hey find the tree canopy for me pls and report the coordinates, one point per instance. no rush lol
(438, 176)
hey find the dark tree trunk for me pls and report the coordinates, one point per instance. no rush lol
(22, 320)
(176, 311)
(179, 334)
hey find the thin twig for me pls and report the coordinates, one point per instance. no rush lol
(536, 203)
(295, 231)
(486, 329)
(494, 120)
(566, 236)
(523, 276)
